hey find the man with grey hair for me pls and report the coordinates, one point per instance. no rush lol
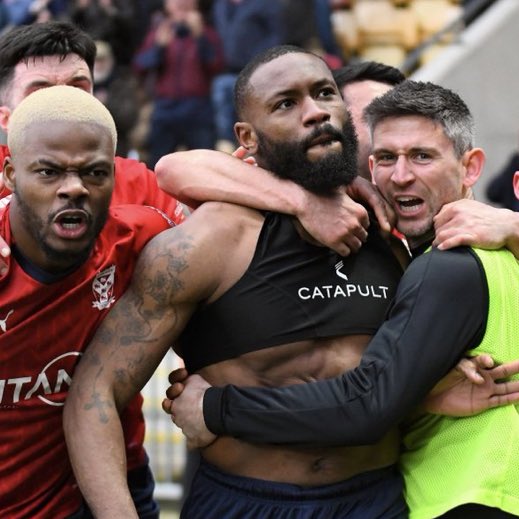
(448, 304)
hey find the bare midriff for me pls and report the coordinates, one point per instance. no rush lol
(294, 364)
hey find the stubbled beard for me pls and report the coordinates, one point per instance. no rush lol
(36, 228)
(288, 160)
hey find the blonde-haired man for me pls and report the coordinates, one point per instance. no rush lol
(72, 258)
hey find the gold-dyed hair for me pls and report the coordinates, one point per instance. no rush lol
(58, 103)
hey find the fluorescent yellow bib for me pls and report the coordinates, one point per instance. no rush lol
(448, 462)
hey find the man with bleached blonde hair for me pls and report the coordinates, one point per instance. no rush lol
(72, 257)
(61, 103)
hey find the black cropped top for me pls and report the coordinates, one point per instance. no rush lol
(293, 291)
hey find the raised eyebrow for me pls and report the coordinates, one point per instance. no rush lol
(37, 84)
(412, 151)
(80, 78)
(326, 83)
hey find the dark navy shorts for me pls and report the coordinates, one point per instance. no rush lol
(217, 495)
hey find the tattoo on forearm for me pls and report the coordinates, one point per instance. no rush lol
(141, 319)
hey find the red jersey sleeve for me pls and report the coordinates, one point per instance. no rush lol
(136, 184)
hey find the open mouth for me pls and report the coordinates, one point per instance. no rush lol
(323, 140)
(71, 223)
(408, 204)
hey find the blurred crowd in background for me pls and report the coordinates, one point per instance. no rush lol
(166, 68)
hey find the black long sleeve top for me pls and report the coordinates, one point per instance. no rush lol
(439, 312)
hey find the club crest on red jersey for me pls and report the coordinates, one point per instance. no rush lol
(103, 288)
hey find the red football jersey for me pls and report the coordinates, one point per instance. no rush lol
(45, 324)
(134, 184)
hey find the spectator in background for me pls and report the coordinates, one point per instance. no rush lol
(246, 27)
(23, 12)
(108, 20)
(4, 17)
(116, 87)
(145, 11)
(308, 25)
(500, 189)
(184, 54)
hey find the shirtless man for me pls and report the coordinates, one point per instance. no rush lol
(280, 309)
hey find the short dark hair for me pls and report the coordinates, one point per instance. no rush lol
(241, 87)
(367, 71)
(55, 38)
(424, 99)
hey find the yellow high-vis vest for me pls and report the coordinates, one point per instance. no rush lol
(448, 462)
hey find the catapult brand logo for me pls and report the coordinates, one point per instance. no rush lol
(346, 288)
(50, 385)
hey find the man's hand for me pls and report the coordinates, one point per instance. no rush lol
(468, 222)
(184, 402)
(335, 221)
(474, 386)
(164, 34)
(243, 153)
(195, 22)
(363, 190)
(339, 222)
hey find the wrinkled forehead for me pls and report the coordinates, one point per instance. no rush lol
(406, 132)
(40, 72)
(54, 63)
(293, 71)
(43, 71)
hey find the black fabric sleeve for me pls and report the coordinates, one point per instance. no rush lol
(439, 312)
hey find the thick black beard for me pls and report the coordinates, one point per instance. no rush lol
(289, 161)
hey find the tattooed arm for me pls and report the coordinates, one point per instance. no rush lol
(170, 278)
(337, 221)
